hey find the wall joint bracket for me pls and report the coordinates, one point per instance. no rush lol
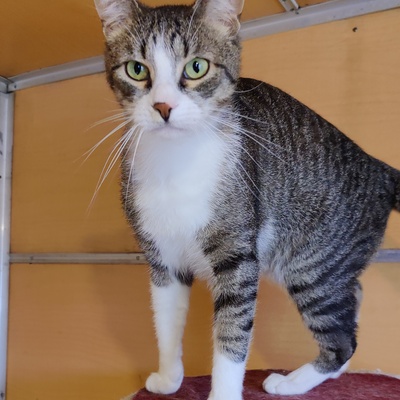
(5, 84)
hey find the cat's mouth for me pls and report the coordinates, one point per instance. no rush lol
(169, 130)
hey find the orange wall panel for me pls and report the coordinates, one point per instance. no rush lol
(53, 185)
(85, 331)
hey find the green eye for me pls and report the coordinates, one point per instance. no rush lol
(137, 71)
(196, 68)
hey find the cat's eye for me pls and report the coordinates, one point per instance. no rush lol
(137, 71)
(196, 68)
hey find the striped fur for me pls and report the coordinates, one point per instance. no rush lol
(241, 180)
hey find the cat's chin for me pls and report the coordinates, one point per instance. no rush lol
(169, 131)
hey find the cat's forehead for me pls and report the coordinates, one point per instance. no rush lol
(177, 32)
(168, 44)
(167, 21)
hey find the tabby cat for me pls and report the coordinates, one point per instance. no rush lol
(230, 179)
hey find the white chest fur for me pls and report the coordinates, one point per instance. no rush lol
(175, 181)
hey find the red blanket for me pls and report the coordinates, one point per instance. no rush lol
(347, 387)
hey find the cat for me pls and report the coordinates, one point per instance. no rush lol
(230, 179)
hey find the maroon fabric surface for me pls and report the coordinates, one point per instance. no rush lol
(347, 387)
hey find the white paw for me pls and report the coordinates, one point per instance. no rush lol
(163, 384)
(272, 382)
(212, 396)
(227, 378)
(297, 382)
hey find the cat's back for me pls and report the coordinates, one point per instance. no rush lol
(306, 168)
(271, 110)
(291, 137)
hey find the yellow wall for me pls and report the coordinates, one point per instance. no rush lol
(85, 331)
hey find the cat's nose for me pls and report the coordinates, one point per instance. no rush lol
(164, 109)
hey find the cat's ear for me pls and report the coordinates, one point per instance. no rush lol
(222, 14)
(115, 14)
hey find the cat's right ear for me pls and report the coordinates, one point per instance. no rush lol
(115, 15)
(223, 15)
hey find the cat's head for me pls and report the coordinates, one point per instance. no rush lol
(171, 67)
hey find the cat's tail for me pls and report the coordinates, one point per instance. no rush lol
(397, 190)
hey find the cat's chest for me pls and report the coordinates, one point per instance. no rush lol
(181, 205)
(175, 185)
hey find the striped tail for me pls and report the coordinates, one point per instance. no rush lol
(397, 191)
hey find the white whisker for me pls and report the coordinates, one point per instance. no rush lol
(255, 139)
(267, 141)
(195, 7)
(249, 134)
(249, 90)
(137, 139)
(112, 118)
(111, 161)
(96, 146)
(212, 129)
(198, 28)
(245, 117)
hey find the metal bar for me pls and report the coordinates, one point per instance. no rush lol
(75, 69)
(78, 258)
(285, 5)
(6, 139)
(383, 256)
(295, 5)
(303, 17)
(388, 256)
(289, 7)
(314, 15)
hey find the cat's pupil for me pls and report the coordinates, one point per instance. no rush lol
(196, 67)
(138, 68)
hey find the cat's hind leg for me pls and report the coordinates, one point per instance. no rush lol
(330, 313)
(170, 305)
(299, 381)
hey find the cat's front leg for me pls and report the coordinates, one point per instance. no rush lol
(235, 292)
(170, 304)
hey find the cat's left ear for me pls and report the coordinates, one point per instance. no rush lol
(115, 14)
(222, 14)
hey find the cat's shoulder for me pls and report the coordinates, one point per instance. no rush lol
(253, 90)
(251, 84)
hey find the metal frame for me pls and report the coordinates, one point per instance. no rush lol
(382, 256)
(75, 69)
(289, 5)
(4, 82)
(6, 139)
(294, 18)
(313, 15)
(78, 258)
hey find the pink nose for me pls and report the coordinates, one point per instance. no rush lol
(164, 109)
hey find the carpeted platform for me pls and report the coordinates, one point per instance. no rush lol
(347, 387)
